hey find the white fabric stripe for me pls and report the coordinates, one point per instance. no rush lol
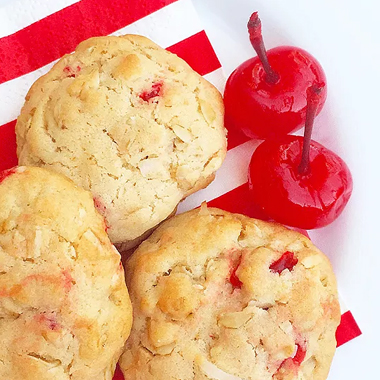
(217, 78)
(231, 175)
(12, 93)
(166, 27)
(20, 13)
(343, 307)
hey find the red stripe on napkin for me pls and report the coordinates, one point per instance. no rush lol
(8, 157)
(197, 51)
(347, 330)
(237, 201)
(50, 38)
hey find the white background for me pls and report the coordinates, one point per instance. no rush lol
(344, 35)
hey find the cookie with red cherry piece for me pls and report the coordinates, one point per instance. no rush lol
(65, 311)
(222, 296)
(129, 121)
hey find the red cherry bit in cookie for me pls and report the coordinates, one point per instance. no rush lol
(53, 324)
(68, 280)
(71, 72)
(293, 363)
(300, 355)
(49, 320)
(152, 93)
(101, 207)
(286, 261)
(234, 279)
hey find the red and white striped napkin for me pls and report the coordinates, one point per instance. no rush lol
(36, 33)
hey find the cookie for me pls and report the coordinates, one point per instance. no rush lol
(222, 296)
(129, 121)
(65, 311)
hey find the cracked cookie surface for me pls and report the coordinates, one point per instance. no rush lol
(65, 311)
(129, 121)
(222, 296)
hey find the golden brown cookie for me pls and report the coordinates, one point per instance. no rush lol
(222, 296)
(129, 121)
(65, 312)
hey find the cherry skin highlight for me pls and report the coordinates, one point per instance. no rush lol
(266, 95)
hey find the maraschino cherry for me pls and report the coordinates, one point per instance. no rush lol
(266, 95)
(297, 181)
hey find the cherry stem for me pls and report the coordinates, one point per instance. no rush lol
(314, 95)
(256, 37)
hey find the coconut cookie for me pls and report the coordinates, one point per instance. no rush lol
(222, 296)
(129, 121)
(65, 312)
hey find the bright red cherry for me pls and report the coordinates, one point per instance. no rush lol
(297, 181)
(266, 95)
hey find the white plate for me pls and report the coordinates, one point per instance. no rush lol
(344, 36)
